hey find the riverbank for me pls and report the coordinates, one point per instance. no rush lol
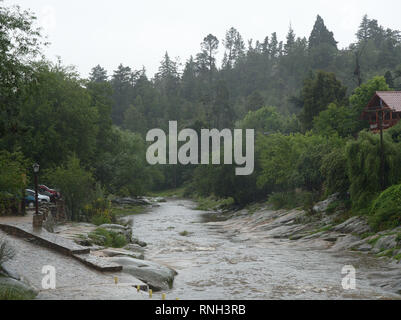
(112, 257)
(254, 253)
(329, 227)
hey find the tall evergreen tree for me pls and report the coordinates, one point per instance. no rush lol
(317, 93)
(98, 74)
(321, 35)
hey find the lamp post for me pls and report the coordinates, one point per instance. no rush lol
(36, 169)
(37, 218)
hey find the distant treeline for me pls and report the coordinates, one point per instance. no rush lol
(303, 97)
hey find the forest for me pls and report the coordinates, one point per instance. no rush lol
(303, 97)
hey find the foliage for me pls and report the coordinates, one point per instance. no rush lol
(363, 94)
(13, 293)
(291, 200)
(317, 93)
(58, 118)
(107, 238)
(289, 162)
(334, 172)
(99, 212)
(20, 44)
(363, 162)
(268, 120)
(13, 180)
(336, 120)
(75, 184)
(12, 172)
(385, 212)
(211, 203)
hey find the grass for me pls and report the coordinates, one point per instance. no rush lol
(122, 211)
(387, 253)
(102, 237)
(373, 241)
(397, 257)
(212, 204)
(8, 292)
(323, 229)
(179, 192)
(253, 208)
(367, 235)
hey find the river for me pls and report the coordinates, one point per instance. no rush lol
(215, 261)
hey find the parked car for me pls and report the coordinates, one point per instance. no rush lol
(41, 197)
(46, 190)
(30, 200)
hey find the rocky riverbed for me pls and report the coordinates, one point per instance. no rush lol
(258, 253)
(254, 253)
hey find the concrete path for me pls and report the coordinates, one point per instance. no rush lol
(74, 280)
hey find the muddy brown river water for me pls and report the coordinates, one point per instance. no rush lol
(218, 261)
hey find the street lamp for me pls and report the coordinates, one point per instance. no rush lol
(36, 169)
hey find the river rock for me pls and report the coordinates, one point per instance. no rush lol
(157, 276)
(132, 201)
(19, 289)
(347, 242)
(356, 225)
(322, 206)
(134, 248)
(386, 242)
(365, 247)
(122, 253)
(125, 231)
(139, 243)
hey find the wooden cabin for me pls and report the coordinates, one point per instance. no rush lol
(384, 105)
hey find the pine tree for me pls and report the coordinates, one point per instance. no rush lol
(290, 41)
(321, 35)
(98, 74)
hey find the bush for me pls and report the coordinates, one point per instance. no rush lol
(9, 292)
(103, 237)
(99, 212)
(363, 162)
(291, 200)
(76, 185)
(12, 181)
(334, 171)
(386, 209)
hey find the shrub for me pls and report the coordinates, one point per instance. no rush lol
(334, 171)
(75, 183)
(103, 237)
(291, 200)
(15, 293)
(99, 212)
(12, 181)
(386, 209)
(363, 162)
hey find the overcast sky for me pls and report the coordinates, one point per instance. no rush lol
(138, 33)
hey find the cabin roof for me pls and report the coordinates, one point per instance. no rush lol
(391, 99)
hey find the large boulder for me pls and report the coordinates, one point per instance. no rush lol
(324, 205)
(386, 242)
(355, 225)
(157, 276)
(132, 201)
(122, 253)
